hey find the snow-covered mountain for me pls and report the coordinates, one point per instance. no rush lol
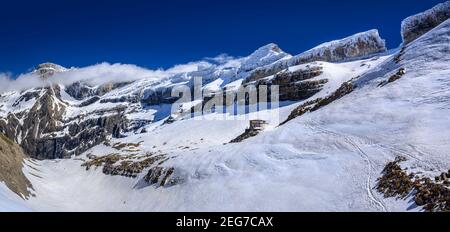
(104, 137)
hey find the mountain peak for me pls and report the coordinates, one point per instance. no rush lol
(46, 70)
(264, 55)
(271, 47)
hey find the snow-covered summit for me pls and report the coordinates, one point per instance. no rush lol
(46, 70)
(357, 45)
(417, 25)
(371, 36)
(265, 55)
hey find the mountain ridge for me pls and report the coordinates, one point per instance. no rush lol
(351, 108)
(60, 134)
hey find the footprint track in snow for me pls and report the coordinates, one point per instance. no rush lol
(347, 139)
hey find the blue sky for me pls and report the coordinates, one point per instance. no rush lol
(160, 34)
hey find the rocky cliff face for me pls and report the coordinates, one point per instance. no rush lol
(82, 91)
(415, 26)
(44, 133)
(295, 85)
(11, 165)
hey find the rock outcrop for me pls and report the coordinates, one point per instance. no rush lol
(295, 85)
(398, 75)
(355, 46)
(318, 103)
(131, 166)
(158, 96)
(120, 165)
(415, 26)
(81, 91)
(11, 165)
(432, 195)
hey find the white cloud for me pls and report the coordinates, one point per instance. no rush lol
(190, 67)
(26, 81)
(95, 75)
(220, 59)
(106, 73)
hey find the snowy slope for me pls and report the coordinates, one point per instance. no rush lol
(9, 202)
(215, 174)
(328, 160)
(325, 160)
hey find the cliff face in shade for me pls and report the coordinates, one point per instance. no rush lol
(415, 26)
(44, 132)
(11, 164)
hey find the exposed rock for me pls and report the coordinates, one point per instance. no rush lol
(108, 87)
(247, 134)
(11, 165)
(296, 85)
(301, 90)
(318, 103)
(256, 126)
(161, 176)
(158, 96)
(26, 97)
(132, 165)
(394, 77)
(122, 165)
(415, 26)
(127, 147)
(286, 77)
(301, 110)
(434, 196)
(153, 175)
(169, 120)
(81, 91)
(47, 70)
(346, 88)
(395, 181)
(39, 130)
(398, 58)
(358, 45)
(130, 99)
(90, 101)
